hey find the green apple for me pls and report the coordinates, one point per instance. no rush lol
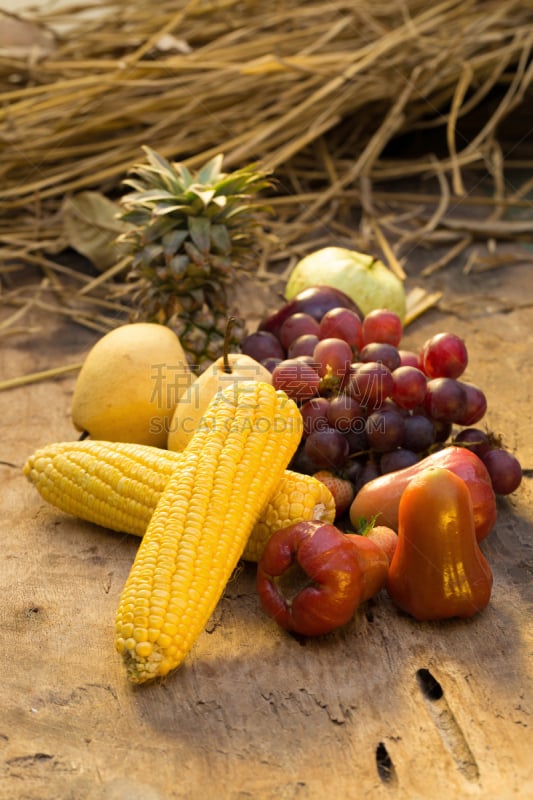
(365, 279)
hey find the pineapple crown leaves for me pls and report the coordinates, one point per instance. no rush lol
(162, 187)
(209, 217)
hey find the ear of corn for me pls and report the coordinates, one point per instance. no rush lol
(201, 524)
(113, 484)
(295, 499)
(118, 485)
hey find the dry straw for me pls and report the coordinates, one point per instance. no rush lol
(314, 91)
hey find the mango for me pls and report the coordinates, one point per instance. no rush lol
(130, 383)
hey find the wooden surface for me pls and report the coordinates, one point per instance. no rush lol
(254, 713)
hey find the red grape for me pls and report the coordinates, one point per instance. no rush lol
(408, 358)
(342, 323)
(444, 356)
(504, 470)
(333, 356)
(326, 448)
(297, 325)
(445, 399)
(409, 387)
(299, 380)
(382, 325)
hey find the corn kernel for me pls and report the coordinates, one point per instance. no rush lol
(140, 634)
(143, 649)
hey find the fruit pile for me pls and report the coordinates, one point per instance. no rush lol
(321, 388)
(370, 407)
(390, 496)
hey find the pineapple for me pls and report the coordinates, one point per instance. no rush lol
(188, 236)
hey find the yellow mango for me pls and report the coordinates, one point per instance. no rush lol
(129, 385)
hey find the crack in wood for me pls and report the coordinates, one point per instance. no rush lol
(29, 758)
(385, 767)
(446, 724)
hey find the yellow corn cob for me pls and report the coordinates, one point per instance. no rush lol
(118, 485)
(201, 524)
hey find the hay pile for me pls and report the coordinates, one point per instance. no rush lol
(314, 91)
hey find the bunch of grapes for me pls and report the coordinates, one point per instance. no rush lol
(370, 407)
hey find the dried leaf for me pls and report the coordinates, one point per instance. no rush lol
(91, 228)
(419, 301)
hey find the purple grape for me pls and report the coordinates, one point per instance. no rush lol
(475, 439)
(442, 430)
(409, 358)
(381, 351)
(504, 470)
(370, 471)
(309, 360)
(397, 459)
(352, 470)
(390, 403)
(419, 433)
(300, 462)
(262, 345)
(476, 405)
(326, 448)
(315, 415)
(316, 301)
(302, 346)
(345, 414)
(271, 363)
(445, 399)
(385, 430)
(358, 440)
(370, 383)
